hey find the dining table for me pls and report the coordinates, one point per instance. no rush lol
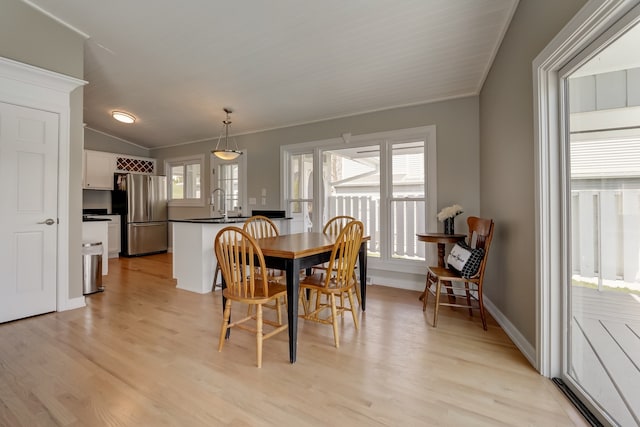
(301, 251)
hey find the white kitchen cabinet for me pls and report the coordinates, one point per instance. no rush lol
(98, 170)
(114, 236)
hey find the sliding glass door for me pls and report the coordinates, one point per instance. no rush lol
(602, 309)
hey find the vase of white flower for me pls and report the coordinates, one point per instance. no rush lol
(448, 215)
(449, 227)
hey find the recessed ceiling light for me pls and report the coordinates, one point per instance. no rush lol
(123, 117)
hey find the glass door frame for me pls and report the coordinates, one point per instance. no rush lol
(594, 25)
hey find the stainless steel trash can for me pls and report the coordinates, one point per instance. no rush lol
(91, 267)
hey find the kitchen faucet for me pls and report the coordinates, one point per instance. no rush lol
(223, 211)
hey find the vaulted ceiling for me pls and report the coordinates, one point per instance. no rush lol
(176, 65)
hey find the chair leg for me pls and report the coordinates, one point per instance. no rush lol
(355, 279)
(318, 303)
(466, 289)
(353, 310)
(259, 335)
(306, 296)
(334, 319)
(225, 324)
(481, 304)
(278, 311)
(215, 277)
(425, 295)
(435, 311)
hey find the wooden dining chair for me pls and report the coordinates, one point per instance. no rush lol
(237, 253)
(337, 281)
(332, 228)
(439, 278)
(258, 226)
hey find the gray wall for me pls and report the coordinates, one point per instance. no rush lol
(28, 36)
(98, 141)
(507, 158)
(458, 150)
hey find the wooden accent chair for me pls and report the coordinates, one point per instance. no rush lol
(237, 253)
(480, 235)
(337, 281)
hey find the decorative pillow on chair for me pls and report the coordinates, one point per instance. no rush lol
(464, 260)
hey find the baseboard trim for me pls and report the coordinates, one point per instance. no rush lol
(73, 303)
(527, 350)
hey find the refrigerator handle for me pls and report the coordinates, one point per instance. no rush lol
(150, 189)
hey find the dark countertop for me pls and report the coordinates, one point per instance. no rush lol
(230, 220)
(92, 219)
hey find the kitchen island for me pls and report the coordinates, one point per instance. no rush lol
(194, 260)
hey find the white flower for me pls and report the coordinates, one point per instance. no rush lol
(450, 212)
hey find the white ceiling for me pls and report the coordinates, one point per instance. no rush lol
(175, 65)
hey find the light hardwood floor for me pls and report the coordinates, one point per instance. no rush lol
(144, 353)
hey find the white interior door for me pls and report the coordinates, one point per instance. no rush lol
(28, 226)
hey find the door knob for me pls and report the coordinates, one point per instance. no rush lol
(48, 222)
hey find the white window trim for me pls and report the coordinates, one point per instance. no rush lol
(587, 25)
(426, 133)
(186, 202)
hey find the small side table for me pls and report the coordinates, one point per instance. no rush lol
(441, 239)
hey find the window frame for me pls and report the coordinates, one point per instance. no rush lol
(385, 140)
(184, 162)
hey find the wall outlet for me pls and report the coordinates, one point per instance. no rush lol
(253, 201)
(264, 201)
(264, 192)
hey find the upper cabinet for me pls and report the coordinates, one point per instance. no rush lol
(98, 170)
(99, 167)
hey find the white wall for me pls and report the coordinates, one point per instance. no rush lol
(28, 36)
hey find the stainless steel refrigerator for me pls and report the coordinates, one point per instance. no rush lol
(141, 200)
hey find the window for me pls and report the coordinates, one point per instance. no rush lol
(185, 181)
(230, 176)
(300, 194)
(386, 180)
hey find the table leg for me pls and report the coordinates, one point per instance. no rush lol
(292, 271)
(362, 260)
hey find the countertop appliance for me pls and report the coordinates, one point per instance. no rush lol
(141, 200)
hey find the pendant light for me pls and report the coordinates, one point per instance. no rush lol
(226, 153)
